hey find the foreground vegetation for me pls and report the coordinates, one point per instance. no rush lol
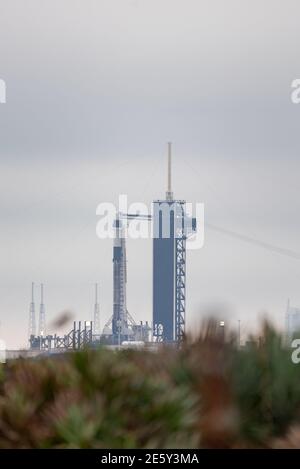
(208, 393)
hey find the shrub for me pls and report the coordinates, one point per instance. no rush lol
(207, 393)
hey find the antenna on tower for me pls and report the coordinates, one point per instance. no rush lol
(169, 193)
(32, 325)
(42, 315)
(96, 312)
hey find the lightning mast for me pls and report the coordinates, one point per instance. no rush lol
(32, 324)
(169, 193)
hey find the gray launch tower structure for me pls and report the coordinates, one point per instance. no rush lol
(171, 228)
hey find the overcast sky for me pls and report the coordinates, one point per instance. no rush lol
(95, 89)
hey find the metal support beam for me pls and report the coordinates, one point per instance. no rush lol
(180, 289)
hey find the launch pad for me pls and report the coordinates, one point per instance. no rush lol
(171, 228)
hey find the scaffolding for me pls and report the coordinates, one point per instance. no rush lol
(79, 337)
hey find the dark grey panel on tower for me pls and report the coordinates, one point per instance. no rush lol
(171, 228)
(163, 271)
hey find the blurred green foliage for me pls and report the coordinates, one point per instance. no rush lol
(207, 393)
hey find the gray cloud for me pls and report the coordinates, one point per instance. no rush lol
(94, 90)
